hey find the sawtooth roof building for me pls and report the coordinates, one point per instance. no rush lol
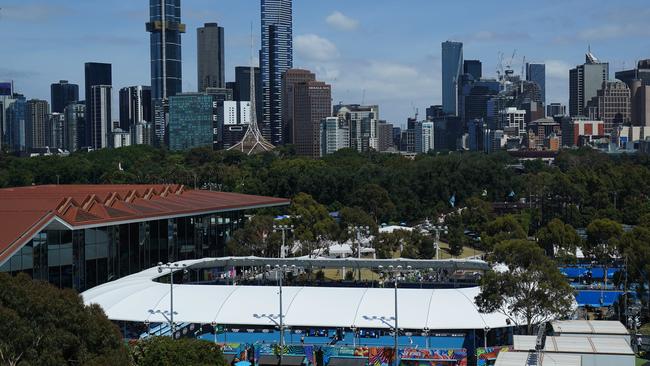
(81, 236)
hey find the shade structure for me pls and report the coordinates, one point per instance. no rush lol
(139, 298)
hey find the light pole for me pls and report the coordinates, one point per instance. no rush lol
(354, 231)
(438, 229)
(281, 269)
(485, 334)
(171, 268)
(395, 271)
(283, 229)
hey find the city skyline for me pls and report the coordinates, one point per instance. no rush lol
(397, 66)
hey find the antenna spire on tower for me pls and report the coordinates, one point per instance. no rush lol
(253, 142)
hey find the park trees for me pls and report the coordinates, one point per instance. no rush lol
(559, 240)
(529, 289)
(502, 228)
(165, 351)
(255, 238)
(43, 325)
(602, 245)
(312, 222)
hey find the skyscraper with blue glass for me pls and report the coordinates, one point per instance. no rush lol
(452, 68)
(166, 62)
(276, 57)
(537, 72)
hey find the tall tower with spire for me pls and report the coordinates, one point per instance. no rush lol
(253, 142)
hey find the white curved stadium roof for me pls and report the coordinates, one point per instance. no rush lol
(138, 298)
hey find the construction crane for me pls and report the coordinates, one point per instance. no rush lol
(499, 65)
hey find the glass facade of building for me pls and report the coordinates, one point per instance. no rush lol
(191, 119)
(82, 259)
(166, 28)
(276, 58)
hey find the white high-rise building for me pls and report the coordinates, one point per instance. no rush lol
(120, 138)
(334, 135)
(236, 113)
(363, 124)
(424, 137)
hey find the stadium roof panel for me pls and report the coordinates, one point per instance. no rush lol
(576, 344)
(25, 211)
(547, 359)
(589, 327)
(139, 298)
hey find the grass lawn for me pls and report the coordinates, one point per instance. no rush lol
(467, 252)
(641, 361)
(336, 274)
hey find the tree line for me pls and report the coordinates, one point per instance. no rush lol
(581, 186)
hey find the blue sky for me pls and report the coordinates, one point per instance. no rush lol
(389, 48)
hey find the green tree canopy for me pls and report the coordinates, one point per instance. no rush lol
(530, 291)
(164, 351)
(559, 240)
(43, 325)
(255, 238)
(313, 224)
(502, 228)
(602, 240)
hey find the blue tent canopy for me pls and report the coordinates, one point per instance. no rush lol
(597, 298)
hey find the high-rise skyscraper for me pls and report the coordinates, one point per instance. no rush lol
(424, 137)
(537, 73)
(363, 122)
(584, 82)
(6, 99)
(334, 135)
(312, 103)
(62, 94)
(210, 59)
(242, 92)
(219, 97)
(474, 68)
(95, 74)
(452, 67)
(191, 118)
(638, 80)
(55, 130)
(135, 106)
(384, 135)
(100, 124)
(75, 114)
(276, 57)
(16, 124)
(166, 60)
(611, 105)
(36, 124)
(289, 80)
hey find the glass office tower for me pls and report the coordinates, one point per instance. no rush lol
(276, 57)
(452, 67)
(166, 62)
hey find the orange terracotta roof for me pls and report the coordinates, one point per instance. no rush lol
(24, 211)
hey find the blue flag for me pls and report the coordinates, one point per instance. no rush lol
(452, 200)
(512, 194)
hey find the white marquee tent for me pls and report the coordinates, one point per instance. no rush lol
(138, 298)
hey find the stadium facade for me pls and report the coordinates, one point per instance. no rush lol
(81, 236)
